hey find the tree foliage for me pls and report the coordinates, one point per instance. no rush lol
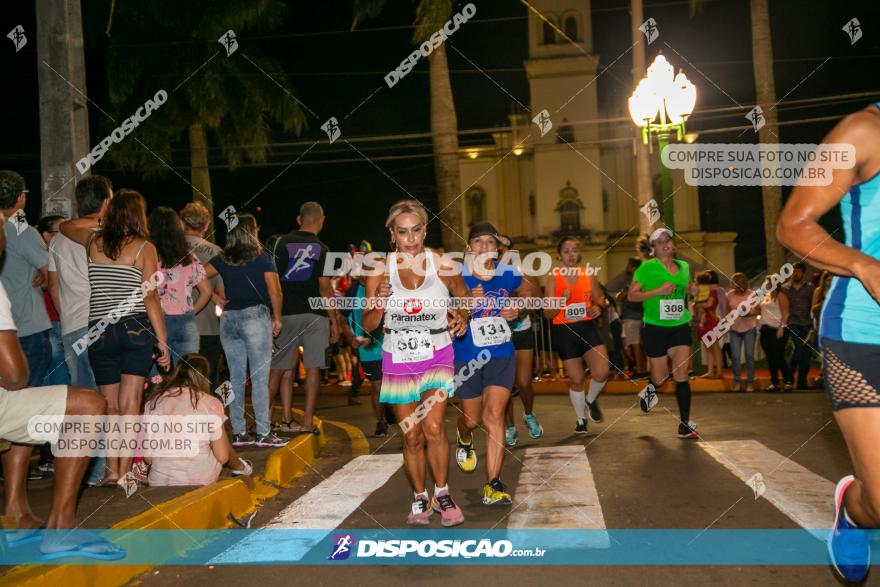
(156, 45)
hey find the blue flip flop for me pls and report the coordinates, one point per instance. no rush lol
(27, 537)
(80, 550)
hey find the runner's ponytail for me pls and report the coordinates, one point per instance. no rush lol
(644, 248)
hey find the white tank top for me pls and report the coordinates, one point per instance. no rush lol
(423, 308)
(771, 314)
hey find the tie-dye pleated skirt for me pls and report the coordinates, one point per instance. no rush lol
(404, 383)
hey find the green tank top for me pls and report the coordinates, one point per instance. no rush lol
(669, 310)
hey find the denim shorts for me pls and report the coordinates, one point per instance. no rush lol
(124, 348)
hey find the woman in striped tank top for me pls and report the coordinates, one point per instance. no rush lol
(125, 317)
(850, 317)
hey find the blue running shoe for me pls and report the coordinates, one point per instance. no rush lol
(511, 436)
(535, 429)
(848, 546)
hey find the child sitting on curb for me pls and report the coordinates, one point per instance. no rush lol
(186, 392)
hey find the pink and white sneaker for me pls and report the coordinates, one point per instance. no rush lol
(420, 514)
(450, 514)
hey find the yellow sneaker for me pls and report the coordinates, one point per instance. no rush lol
(466, 456)
(494, 493)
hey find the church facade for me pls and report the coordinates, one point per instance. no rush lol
(567, 173)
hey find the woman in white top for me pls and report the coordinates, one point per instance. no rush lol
(417, 354)
(774, 335)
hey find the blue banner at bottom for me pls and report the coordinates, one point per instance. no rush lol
(419, 547)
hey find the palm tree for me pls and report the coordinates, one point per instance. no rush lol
(225, 101)
(765, 93)
(430, 16)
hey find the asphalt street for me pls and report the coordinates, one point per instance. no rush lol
(629, 472)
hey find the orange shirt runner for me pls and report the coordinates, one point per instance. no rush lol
(578, 304)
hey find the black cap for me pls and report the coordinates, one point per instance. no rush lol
(482, 229)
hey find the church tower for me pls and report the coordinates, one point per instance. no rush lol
(561, 70)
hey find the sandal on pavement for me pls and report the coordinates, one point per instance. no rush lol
(246, 471)
(93, 547)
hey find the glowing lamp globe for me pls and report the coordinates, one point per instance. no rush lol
(660, 75)
(681, 99)
(644, 104)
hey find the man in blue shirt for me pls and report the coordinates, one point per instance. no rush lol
(25, 271)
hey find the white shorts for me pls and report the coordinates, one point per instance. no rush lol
(18, 407)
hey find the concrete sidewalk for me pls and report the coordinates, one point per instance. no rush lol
(223, 504)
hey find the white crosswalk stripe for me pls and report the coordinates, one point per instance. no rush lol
(796, 491)
(556, 489)
(323, 508)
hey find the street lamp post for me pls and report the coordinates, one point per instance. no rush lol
(660, 105)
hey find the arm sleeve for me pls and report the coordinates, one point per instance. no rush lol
(6, 321)
(322, 259)
(52, 264)
(33, 248)
(639, 275)
(268, 264)
(217, 408)
(279, 255)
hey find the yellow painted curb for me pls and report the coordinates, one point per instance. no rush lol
(287, 462)
(204, 508)
(359, 444)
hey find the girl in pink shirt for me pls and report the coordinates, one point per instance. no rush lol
(186, 392)
(183, 275)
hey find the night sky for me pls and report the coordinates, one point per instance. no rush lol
(333, 70)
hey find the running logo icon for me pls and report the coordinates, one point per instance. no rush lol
(342, 547)
(756, 482)
(225, 393)
(301, 261)
(229, 217)
(229, 42)
(756, 117)
(18, 38)
(543, 121)
(651, 210)
(129, 484)
(854, 29)
(19, 220)
(331, 127)
(650, 30)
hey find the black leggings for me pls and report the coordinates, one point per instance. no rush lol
(774, 348)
